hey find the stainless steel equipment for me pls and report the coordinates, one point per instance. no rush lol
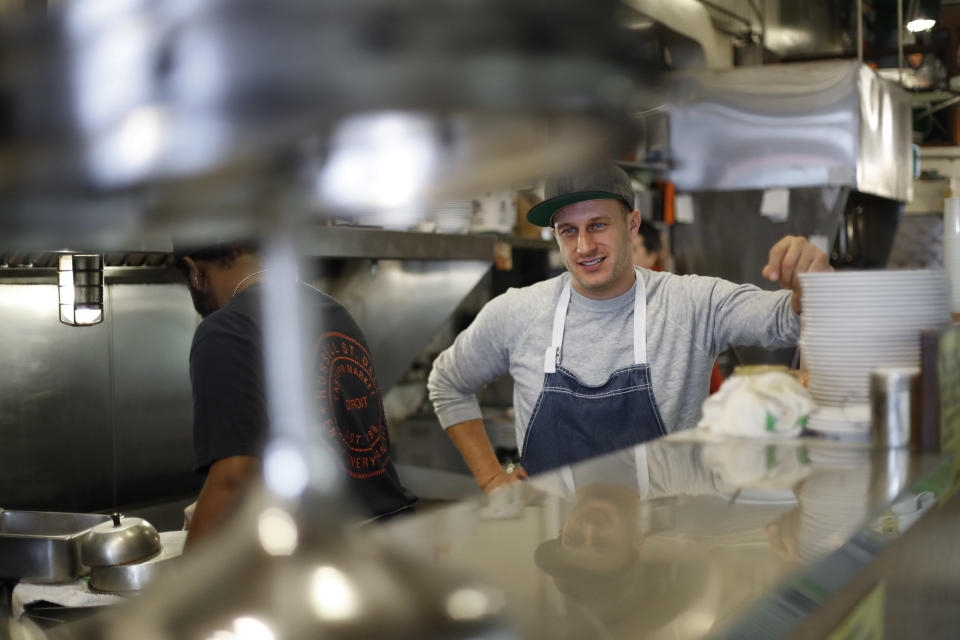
(121, 540)
(43, 546)
(800, 125)
(894, 405)
(99, 417)
(691, 536)
(126, 578)
(288, 572)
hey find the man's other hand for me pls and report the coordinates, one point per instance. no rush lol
(790, 256)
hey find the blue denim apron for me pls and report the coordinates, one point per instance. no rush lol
(573, 421)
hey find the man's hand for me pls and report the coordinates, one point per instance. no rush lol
(791, 256)
(471, 440)
(504, 479)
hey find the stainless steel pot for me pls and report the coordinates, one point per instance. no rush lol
(121, 541)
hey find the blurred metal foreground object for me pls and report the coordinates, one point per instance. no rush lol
(122, 120)
(322, 585)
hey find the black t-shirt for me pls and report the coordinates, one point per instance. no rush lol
(229, 396)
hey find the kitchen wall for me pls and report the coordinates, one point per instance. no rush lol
(95, 417)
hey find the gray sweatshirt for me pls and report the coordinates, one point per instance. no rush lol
(690, 319)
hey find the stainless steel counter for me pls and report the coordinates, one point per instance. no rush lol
(684, 537)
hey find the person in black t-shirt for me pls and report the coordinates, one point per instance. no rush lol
(229, 399)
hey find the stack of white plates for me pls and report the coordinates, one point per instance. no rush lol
(856, 321)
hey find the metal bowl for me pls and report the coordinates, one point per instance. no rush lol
(121, 541)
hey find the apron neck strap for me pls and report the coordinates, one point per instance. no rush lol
(551, 358)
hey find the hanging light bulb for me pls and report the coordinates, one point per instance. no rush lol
(922, 15)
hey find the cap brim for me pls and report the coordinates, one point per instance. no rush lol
(542, 214)
(549, 557)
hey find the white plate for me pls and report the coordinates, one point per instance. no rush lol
(858, 436)
(859, 412)
(841, 369)
(837, 402)
(837, 385)
(928, 296)
(877, 326)
(871, 276)
(858, 350)
(925, 299)
(835, 428)
(840, 397)
(759, 496)
(928, 299)
(878, 288)
(830, 340)
(857, 356)
(889, 321)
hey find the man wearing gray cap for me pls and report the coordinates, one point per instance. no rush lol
(606, 355)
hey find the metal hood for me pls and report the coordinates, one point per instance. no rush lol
(790, 125)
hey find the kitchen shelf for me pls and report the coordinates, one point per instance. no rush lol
(315, 242)
(111, 275)
(384, 244)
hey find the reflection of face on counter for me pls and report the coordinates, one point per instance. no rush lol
(594, 561)
(601, 533)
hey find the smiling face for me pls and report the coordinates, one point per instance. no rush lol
(594, 240)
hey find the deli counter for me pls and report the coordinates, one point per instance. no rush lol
(701, 536)
(692, 535)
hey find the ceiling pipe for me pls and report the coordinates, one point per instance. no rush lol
(860, 30)
(900, 42)
(691, 20)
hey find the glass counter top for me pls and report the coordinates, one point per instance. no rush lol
(687, 536)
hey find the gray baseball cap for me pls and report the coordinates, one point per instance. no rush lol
(602, 182)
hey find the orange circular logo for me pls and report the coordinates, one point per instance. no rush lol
(350, 409)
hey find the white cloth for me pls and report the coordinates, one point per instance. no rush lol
(70, 594)
(769, 405)
(188, 512)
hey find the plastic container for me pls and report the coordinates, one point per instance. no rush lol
(893, 405)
